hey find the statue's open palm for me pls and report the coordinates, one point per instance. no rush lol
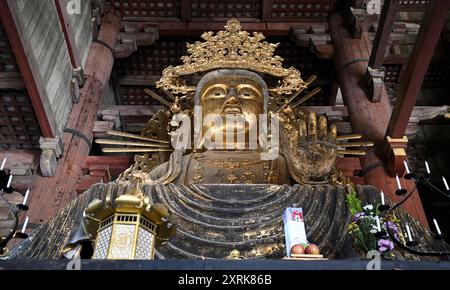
(312, 150)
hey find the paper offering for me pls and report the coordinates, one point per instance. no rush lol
(294, 228)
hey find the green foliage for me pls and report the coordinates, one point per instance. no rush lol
(363, 238)
(354, 202)
(363, 224)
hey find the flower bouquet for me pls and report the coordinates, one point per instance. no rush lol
(364, 227)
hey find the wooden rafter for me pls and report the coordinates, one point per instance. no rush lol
(28, 71)
(430, 31)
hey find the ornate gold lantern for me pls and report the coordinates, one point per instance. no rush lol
(129, 228)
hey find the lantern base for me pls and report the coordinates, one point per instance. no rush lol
(401, 192)
(410, 176)
(383, 207)
(23, 207)
(440, 237)
(21, 235)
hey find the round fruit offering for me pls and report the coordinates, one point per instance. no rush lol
(312, 249)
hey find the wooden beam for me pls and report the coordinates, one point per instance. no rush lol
(85, 182)
(123, 50)
(146, 38)
(52, 194)
(383, 34)
(375, 72)
(430, 31)
(351, 59)
(72, 48)
(198, 27)
(368, 119)
(29, 71)
(138, 80)
(116, 164)
(131, 110)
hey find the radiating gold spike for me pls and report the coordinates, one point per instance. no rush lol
(187, 96)
(134, 150)
(311, 79)
(307, 97)
(308, 82)
(351, 152)
(128, 143)
(356, 144)
(157, 97)
(172, 97)
(349, 137)
(133, 136)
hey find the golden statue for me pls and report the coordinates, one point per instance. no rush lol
(216, 170)
(226, 158)
(244, 145)
(235, 94)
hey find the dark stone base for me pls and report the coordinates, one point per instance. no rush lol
(186, 265)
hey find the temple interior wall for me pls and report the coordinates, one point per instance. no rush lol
(40, 28)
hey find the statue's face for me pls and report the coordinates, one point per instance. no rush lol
(232, 95)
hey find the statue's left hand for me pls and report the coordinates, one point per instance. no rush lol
(312, 149)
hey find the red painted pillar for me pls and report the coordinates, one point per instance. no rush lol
(52, 194)
(367, 118)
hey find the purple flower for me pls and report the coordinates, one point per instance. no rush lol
(385, 245)
(359, 216)
(393, 227)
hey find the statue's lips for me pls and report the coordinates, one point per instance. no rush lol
(231, 110)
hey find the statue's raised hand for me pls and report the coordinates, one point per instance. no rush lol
(311, 148)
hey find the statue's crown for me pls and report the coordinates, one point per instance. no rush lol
(231, 48)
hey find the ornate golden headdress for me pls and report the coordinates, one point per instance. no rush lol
(232, 48)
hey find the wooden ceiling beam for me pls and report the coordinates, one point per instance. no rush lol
(198, 27)
(383, 34)
(138, 80)
(132, 36)
(72, 48)
(429, 34)
(29, 71)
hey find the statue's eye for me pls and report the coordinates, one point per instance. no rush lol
(217, 93)
(246, 93)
